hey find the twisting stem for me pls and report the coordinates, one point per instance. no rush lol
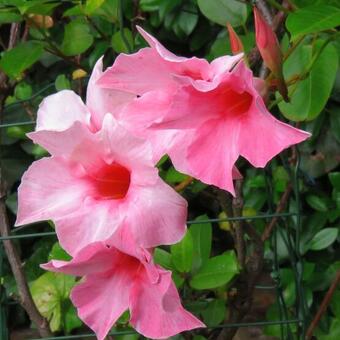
(324, 304)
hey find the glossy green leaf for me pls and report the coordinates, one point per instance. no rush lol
(77, 38)
(323, 239)
(216, 272)
(58, 253)
(174, 176)
(9, 17)
(318, 203)
(163, 258)
(215, 313)
(48, 293)
(334, 177)
(311, 94)
(20, 58)
(223, 11)
(335, 303)
(118, 43)
(202, 238)
(312, 19)
(23, 91)
(62, 83)
(182, 253)
(92, 5)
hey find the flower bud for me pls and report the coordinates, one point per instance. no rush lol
(270, 50)
(235, 41)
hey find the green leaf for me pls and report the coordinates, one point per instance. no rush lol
(223, 11)
(174, 176)
(20, 58)
(335, 303)
(312, 19)
(202, 238)
(9, 17)
(58, 253)
(23, 91)
(118, 43)
(77, 38)
(323, 239)
(215, 312)
(316, 202)
(334, 177)
(311, 94)
(48, 293)
(62, 83)
(335, 121)
(216, 272)
(334, 331)
(92, 5)
(71, 319)
(182, 253)
(163, 258)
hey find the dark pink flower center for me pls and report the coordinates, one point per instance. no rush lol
(236, 103)
(112, 181)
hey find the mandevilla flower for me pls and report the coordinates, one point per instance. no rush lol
(94, 182)
(118, 279)
(214, 111)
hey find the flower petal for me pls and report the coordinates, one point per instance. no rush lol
(92, 221)
(217, 140)
(49, 189)
(262, 136)
(157, 215)
(156, 310)
(59, 111)
(94, 258)
(101, 101)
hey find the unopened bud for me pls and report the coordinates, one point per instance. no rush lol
(235, 41)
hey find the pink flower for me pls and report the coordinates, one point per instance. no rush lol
(115, 281)
(213, 111)
(94, 182)
(59, 111)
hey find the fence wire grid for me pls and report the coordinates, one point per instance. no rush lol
(290, 239)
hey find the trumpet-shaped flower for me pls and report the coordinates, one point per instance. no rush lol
(94, 182)
(213, 110)
(115, 281)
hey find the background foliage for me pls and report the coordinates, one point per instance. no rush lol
(58, 43)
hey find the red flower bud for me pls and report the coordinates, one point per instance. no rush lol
(235, 42)
(270, 50)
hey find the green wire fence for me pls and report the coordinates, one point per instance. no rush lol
(290, 239)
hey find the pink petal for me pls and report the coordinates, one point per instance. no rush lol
(76, 142)
(122, 147)
(138, 73)
(262, 136)
(94, 258)
(104, 295)
(156, 215)
(156, 310)
(49, 189)
(213, 153)
(59, 111)
(198, 65)
(225, 63)
(101, 101)
(92, 221)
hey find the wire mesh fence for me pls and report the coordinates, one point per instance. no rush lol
(290, 238)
